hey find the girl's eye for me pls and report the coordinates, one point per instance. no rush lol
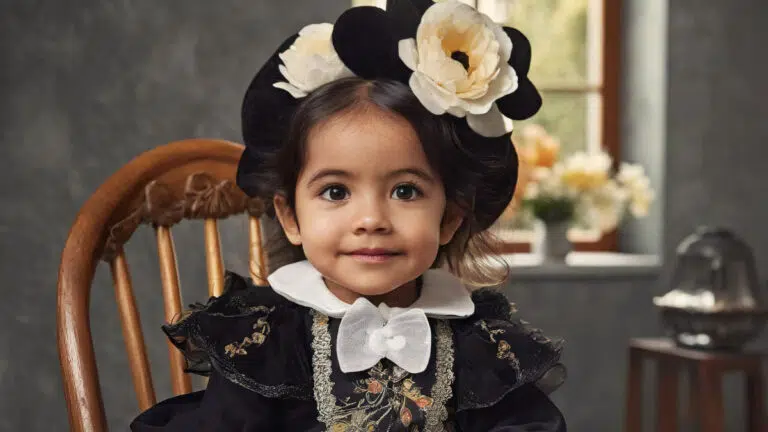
(406, 192)
(335, 193)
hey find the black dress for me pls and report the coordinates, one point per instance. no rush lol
(272, 367)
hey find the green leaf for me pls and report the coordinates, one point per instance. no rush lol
(551, 209)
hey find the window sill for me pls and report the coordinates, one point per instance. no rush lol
(584, 265)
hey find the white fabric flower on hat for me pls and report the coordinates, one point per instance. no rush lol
(311, 61)
(459, 60)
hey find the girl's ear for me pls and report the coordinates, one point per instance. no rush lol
(451, 222)
(287, 218)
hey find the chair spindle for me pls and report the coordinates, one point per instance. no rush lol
(134, 338)
(213, 259)
(170, 279)
(258, 259)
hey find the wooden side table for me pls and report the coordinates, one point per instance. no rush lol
(707, 369)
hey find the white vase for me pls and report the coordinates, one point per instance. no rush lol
(556, 245)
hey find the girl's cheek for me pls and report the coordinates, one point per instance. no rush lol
(323, 223)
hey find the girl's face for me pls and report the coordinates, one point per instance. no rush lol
(370, 212)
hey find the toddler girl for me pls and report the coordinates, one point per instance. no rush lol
(383, 145)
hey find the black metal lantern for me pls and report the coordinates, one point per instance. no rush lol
(716, 301)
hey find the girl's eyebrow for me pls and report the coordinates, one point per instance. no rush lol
(332, 172)
(328, 172)
(415, 171)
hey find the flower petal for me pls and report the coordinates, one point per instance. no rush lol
(408, 54)
(293, 80)
(457, 111)
(295, 92)
(505, 43)
(318, 28)
(445, 13)
(425, 91)
(490, 124)
(442, 10)
(505, 83)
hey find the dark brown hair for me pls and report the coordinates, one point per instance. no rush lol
(469, 254)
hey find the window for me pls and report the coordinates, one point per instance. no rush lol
(575, 66)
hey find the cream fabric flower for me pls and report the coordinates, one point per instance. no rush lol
(311, 61)
(459, 60)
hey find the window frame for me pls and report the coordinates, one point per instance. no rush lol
(610, 114)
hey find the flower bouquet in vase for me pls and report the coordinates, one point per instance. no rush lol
(579, 193)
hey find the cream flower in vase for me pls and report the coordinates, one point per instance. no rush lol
(603, 207)
(641, 202)
(641, 195)
(459, 60)
(311, 61)
(586, 171)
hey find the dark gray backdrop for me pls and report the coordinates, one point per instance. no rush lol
(87, 85)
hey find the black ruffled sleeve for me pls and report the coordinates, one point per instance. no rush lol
(499, 358)
(253, 345)
(250, 335)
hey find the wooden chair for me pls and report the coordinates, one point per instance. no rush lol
(191, 179)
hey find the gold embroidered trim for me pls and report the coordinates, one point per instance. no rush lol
(258, 337)
(491, 333)
(442, 391)
(503, 348)
(321, 365)
(504, 352)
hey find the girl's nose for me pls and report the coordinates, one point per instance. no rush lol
(373, 218)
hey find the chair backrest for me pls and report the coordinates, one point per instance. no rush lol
(190, 179)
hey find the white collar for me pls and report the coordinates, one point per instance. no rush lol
(442, 294)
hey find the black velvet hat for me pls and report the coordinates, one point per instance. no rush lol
(370, 43)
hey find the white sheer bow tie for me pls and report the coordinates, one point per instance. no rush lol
(368, 334)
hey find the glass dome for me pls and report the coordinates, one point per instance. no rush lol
(715, 301)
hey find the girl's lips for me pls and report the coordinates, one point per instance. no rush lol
(373, 258)
(374, 255)
(374, 251)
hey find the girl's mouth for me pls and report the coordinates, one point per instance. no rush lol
(374, 255)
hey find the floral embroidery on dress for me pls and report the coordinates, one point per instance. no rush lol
(388, 394)
(387, 389)
(503, 348)
(505, 353)
(491, 333)
(258, 337)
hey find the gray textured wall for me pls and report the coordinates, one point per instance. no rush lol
(87, 85)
